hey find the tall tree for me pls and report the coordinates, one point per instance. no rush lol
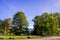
(20, 21)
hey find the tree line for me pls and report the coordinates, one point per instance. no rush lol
(45, 24)
(17, 26)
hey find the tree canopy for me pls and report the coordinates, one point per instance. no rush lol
(20, 21)
(46, 24)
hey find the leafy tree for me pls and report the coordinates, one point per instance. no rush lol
(57, 15)
(7, 26)
(45, 24)
(20, 21)
(1, 28)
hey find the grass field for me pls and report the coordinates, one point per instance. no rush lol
(18, 37)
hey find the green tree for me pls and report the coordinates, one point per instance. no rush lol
(57, 15)
(20, 21)
(1, 28)
(7, 26)
(45, 24)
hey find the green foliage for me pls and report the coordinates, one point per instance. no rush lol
(25, 31)
(18, 37)
(20, 21)
(46, 24)
(5, 26)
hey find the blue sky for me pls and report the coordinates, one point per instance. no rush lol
(31, 8)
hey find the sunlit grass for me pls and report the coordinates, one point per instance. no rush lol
(18, 37)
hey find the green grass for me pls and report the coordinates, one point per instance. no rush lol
(18, 37)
